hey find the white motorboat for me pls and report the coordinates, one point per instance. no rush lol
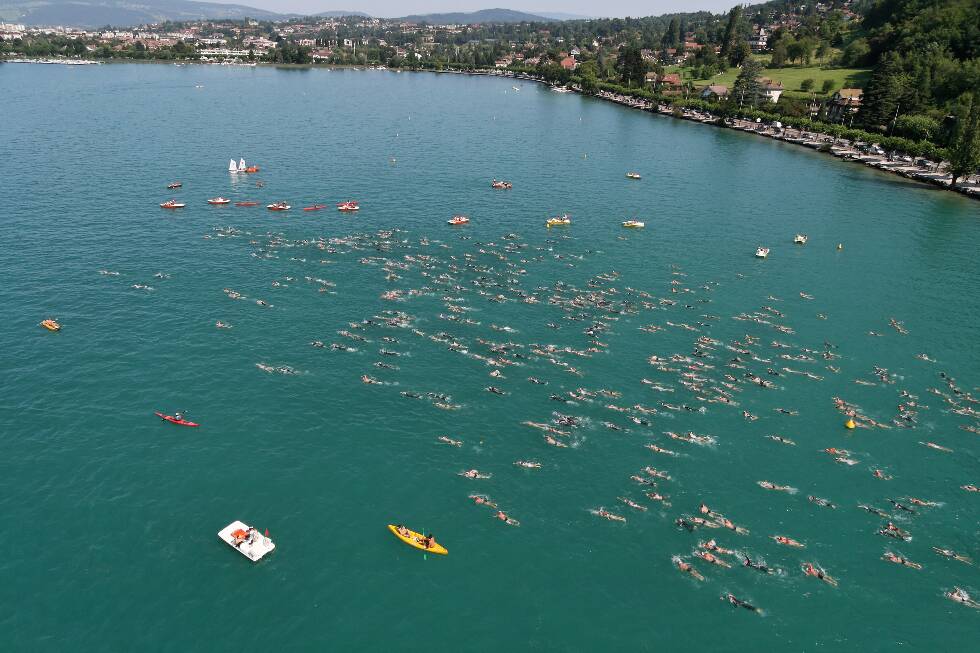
(800, 239)
(634, 224)
(762, 252)
(246, 540)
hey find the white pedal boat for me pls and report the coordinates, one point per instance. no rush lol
(246, 540)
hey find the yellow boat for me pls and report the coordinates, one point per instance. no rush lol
(51, 325)
(415, 539)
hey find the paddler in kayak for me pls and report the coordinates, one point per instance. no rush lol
(404, 532)
(429, 541)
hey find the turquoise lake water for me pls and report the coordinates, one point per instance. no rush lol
(111, 515)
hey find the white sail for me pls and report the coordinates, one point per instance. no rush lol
(231, 166)
(241, 165)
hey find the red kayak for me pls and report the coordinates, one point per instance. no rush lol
(315, 207)
(174, 420)
(246, 203)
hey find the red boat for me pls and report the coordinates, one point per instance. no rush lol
(174, 420)
(172, 204)
(246, 203)
(315, 207)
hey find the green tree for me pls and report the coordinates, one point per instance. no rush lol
(740, 52)
(779, 56)
(807, 84)
(885, 93)
(828, 86)
(964, 148)
(856, 52)
(747, 87)
(731, 31)
(672, 35)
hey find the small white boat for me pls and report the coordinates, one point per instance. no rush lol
(633, 175)
(800, 239)
(558, 221)
(634, 224)
(459, 219)
(219, 200)
(762, 252)
(231, 166)
(246, 540)
(241, 165)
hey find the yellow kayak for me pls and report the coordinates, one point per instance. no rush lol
(415, 539)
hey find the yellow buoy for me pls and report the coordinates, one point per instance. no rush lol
(849, 424)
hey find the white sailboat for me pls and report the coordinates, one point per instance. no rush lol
(241, 165)
(231, 166)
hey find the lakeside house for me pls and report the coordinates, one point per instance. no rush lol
(569, 63)
(771, 90)
(714, 92)
(666, 84)
(844, 104)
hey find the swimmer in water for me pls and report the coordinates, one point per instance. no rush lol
(472, 473)
(961, 596)
(760, 566)
(527, 464)
(713, 559)
(632, 504)
(602, 512)
(953, 555)
(788, 541)
(686, 568)
(502, 516)
(739, 603)
(810, 570)
(711, 545)
(891, 530)
(481, 500)
(821, 502)
(899, 560)
(450, 441)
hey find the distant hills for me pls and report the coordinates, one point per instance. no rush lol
(119, 13)
(96, 13)
(481, 16)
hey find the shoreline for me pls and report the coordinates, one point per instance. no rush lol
(920, 170)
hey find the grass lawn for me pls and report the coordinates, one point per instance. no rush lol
(791, 77)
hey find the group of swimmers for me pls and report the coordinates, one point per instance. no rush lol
(700, 378)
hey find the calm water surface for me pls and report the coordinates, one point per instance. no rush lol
(110, 515)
